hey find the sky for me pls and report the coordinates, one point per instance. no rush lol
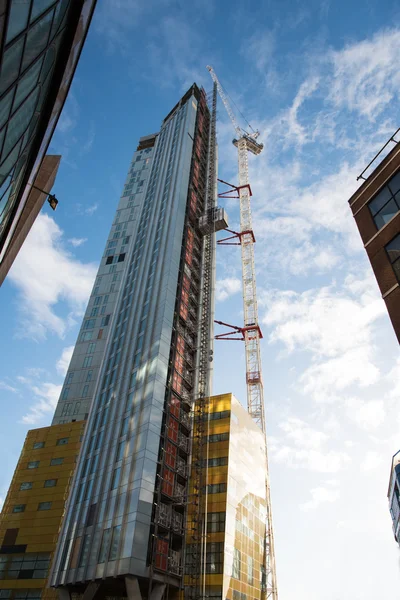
(320, 81)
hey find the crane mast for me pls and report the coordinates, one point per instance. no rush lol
(246, 142)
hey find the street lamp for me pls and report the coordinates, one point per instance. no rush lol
(51, 199)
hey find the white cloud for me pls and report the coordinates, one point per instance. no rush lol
(335, 324)
(45, 400)
(367, 414)
(63, 362)
(76, 242)
(225, 288)
(365, 74)
(372, 460)
(302, 446)
(8, 388)
(44, 274)
(321, 495)
(90, 210)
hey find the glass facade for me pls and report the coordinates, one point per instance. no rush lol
(394, 496)
(133, 469)
(386, 203)
(34, 81)
(236, 506)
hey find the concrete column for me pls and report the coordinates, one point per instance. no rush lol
(91, 590)
(64, 593)
(132, 588)
(157, 591)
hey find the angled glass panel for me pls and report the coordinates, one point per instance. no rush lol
(18, 19)
(37, 39)
(39, 6)
(5, 106)
(20, 122)
(27, 83)
(10, 66)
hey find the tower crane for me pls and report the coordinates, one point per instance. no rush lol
(251, 332)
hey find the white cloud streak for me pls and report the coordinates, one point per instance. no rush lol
(45, 273)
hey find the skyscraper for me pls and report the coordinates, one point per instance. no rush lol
(133, 370)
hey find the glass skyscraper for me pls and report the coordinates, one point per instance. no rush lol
(132, 373)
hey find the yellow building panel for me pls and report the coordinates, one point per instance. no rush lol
(33, 533)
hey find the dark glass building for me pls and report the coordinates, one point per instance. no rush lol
(40, 45)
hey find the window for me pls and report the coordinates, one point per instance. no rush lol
(69, 378)
(115, 542)
(218, 437)
(50, 483)
(89, 324)
(219, 461)
(97, 301)
(65, 393)
(104, 545)
(105, 321)
(26, 485)
(85, 391)
(89, 376)
(18, 508)
(44, 506)
(386, 203)
(27, 566)
(250, 570)
(217, 488)
(214, 561)
(84, 551)
(86, 336)
(33, 464)
(100, 334)
(236, 564)
(77, 408)
(66, 411)
(115, 479)
(62, 441)
(120, 451)
(38, 445)
(109, 260)
(225, 414)
(216, 522)
(94, 311)
(91, 348)
(393, 250)
(87, 361)
(121, 257)
(56, 461)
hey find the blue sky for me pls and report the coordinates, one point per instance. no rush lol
(321, 83)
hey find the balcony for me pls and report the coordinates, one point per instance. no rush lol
(177, 522)
(179, 492)
(174, 561)
(181, 466)
(183, 442)
(163, 515)
(185, 419)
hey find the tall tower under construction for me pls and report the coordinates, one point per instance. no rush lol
(134, 366)
(168, 497)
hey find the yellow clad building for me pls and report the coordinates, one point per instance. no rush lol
(33, 509)
(234, 474)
